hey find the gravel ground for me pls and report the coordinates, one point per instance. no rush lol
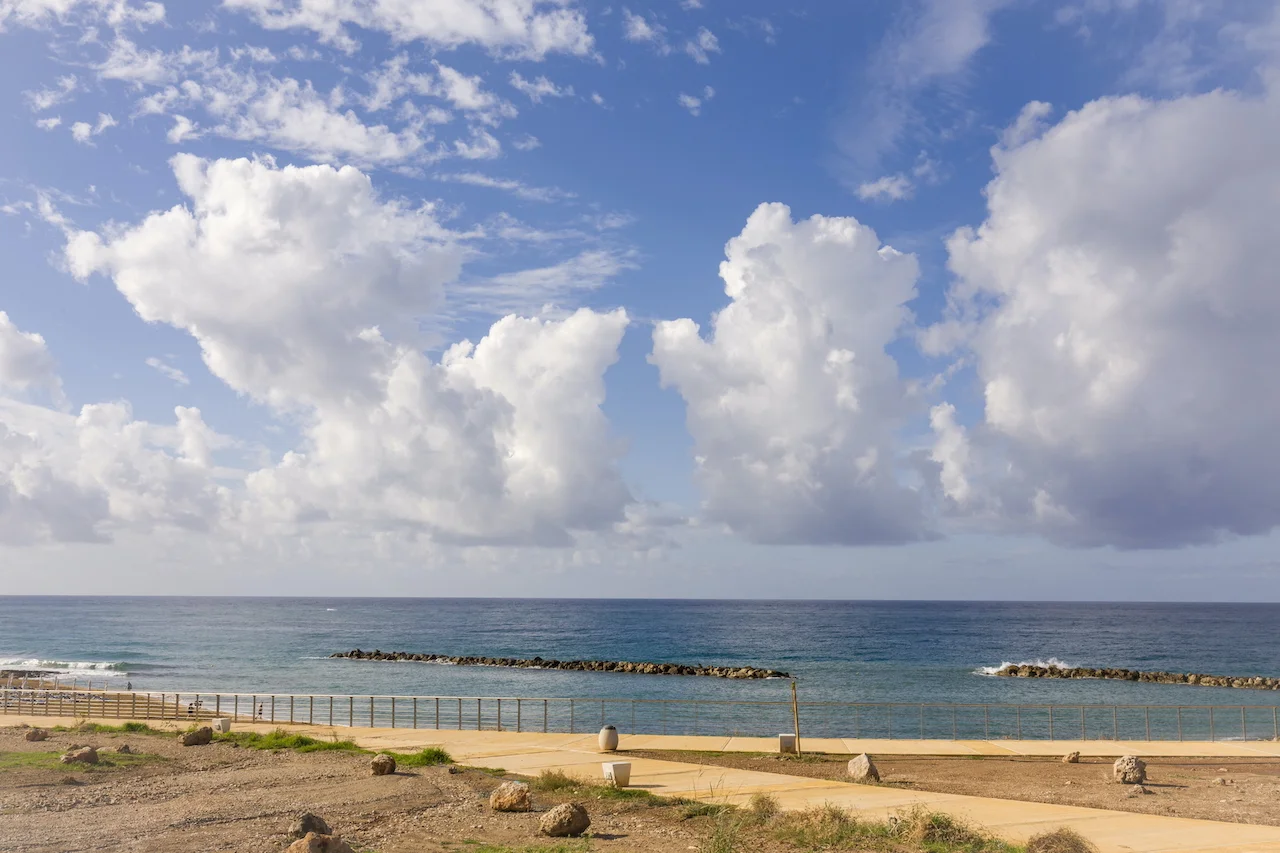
(219, 797)
(1179, 786)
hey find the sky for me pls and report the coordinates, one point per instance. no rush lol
(934, 299)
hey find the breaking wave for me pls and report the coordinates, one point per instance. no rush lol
(106, 669)
(992, 670)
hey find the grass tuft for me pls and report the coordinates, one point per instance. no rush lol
(1062, 840)
(763, 808)
(696, 808)
(53, 761)
(725, 837)
(432, 756)
(553, 780)
(280, 739)
(557, 781)
(100, 728)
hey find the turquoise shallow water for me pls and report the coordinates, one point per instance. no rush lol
(838, 651)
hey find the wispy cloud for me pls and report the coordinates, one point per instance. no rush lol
(168, 371)
(517, 188)
(694, 103)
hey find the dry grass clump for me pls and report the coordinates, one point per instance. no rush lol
(1062, 840)
(823, 827)
(763, 808)
(834, 828)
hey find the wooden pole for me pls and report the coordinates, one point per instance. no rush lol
(795, 716)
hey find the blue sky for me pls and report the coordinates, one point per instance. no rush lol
(1001, 324)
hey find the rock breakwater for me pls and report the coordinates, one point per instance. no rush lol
(747, 672)
(1256, 682)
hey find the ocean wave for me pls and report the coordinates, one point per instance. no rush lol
(106, 669)
(993, 670)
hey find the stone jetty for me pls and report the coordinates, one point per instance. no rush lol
(747, 672)
(1256, 682)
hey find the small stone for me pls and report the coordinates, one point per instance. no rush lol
(863, 769)
(1129, 770)
(383, 765)
(124, 749)
(510, 797)
(308, 823)
(84, 755)
(1218, 781)
(202, 736)
(566, 819)
(1071, 758)
(36, 735)
(453, 770)
(316, 842)
(1138, 790)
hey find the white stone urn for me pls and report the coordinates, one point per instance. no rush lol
(608, 739)
(618, 773)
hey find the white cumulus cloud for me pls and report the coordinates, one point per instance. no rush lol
(1120, 306)
(792, 400)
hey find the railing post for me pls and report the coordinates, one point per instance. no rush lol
(351, 712)
(1115, 723)
(1211, 736)
(1019, 722)
(1147, 709)
(459, 713)
(1275, 723)
(571, 717)
(291, 708)
(518, 703)
(479, 718)
(437, 713)
(331, 712)
(415, 712)
(311, 710)
(1050, 722)
(393, 712)
(544, 716)
(1083, 732)
(1179, 722)
(1244, 725)
(217, 704)
(133, 707)
(986, 722)
(499, 713)
(370, 712)
(273, 707)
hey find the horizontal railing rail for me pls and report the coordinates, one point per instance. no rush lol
(857, 720)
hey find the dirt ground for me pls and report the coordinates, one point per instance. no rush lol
(220, 797)
(1181, 787)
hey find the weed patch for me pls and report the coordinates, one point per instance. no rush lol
(280, 739)
(432, 756)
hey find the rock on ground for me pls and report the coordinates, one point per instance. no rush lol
(317, 842)
(124, 749)
(566, 819)
(863, 769)
(1071, 758)
(383, 765)
(36, 734)
(84, 755)
(202, 736)
(510, 797)
(1139, 790)
(308, 823)
(1129, 770)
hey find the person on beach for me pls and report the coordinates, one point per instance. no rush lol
(260, 714)
(128, 685)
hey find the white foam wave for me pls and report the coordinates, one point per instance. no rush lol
(75, 668)
(993, 670)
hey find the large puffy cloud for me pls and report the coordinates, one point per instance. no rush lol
(792, 401)
(1121, 305)
(281, 274)
(304, 290)
(527, 29)
(25, 361)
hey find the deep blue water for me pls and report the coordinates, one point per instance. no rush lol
(839, 651)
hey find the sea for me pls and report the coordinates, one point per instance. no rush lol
(837, 651)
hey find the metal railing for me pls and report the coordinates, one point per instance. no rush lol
(926, 721)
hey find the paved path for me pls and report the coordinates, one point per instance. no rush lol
(1113, 832)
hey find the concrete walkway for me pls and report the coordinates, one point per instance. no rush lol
(1113, 832)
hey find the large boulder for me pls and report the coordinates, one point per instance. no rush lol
(566, 819)
(1071, 758)
(83, 755)
(35, 735)
(1129, 770)
(863, 769)
(319, 842)
(510, 797)
(383, 765)
(202, 736)
(308, 823)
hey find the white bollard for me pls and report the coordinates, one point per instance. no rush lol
(787, 744)
(618, 773)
